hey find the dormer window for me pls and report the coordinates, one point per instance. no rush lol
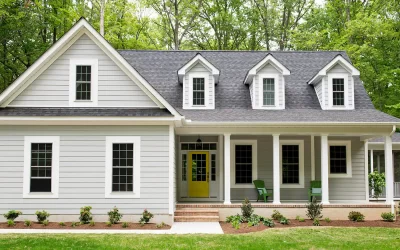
(269, 91)
(198, 91)
(83, 82)
(338, 91)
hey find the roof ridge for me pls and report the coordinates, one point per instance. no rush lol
(237, 51)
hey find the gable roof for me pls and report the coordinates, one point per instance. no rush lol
(57, 49)
(198, 59)
(232, 97)
(269, 59)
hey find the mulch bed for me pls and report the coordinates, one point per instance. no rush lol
(244, 228)
(98, 225)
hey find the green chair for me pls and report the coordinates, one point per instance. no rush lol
(262, 192)
(315, 190)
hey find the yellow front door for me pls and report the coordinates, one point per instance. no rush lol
(198, 174)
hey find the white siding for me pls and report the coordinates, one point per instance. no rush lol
(318, 90)
(115, 88)
(82, 169)
(269, 69)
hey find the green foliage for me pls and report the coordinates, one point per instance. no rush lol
(146, 217)
(75, 224)
(247, 209)
(253, 220)
(125, 224)
(302, 220)
(235, 220)
(85, 215)
(92, 223)
(42, 216)
(284, 221)
(388, 217)
(12, 214)
(161, 225)
(269, 223)
(298, 217)
(114, 216)
(235, 224)
(276, 215)
(27, 223)
(356, 216)
(61, 224)
(316, 222)
(109, 224)
(314, 209)
(45, 223)
(327, 220)
(377, 183)
(10, 223)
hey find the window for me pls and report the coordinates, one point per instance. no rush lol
(41, 167)
(338, 91)
(83, 82)
(243, 163)
(198, 92)
(213, 167)
(339, 159)
(268, 91)
(292, 163)
(197, 146)
(123, 167)
(184, 167)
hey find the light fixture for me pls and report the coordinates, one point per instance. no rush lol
(199, 143)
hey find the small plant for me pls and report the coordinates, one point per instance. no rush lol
(42, 216)
(85, 215)
(45, 223)
(276, 215)
(108, 224)
(388, 217)
(232, 218)
(236, 224)
(161, 225)
(254, 220)
(12, 214)
(356, 216)
(114, 215)
(377, 183)
(298, 217)
(284, 221)
(27, 223)
(74, 224)
(10, 223)
(302, 220)
(314, 209)
(316, 222)
(269, 223)
(62, 224)
(92, 223)
(125, 225)
(146, 216)
(327, 220)
(247, 209)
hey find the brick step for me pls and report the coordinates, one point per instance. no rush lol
(194, 212)
(196, 218)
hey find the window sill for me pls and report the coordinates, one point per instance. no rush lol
(332, 176)
(126, 195)
(40, 196)
(242, 185)
(292, 185)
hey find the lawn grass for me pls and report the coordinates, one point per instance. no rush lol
(294, 238)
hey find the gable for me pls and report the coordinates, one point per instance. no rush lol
(115, 88)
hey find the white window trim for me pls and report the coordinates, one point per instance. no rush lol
(110, 140)
(55, 168)
(253, 143)
(94, 63)
(206, 77)
(348, 159)
(300, 143)
(261, 91)
(345, 76)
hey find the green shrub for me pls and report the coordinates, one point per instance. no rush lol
(269, 223)
(62, 224)
(45, 223)
(108, 224)
(85, 215)
(161, 225)
(74, 224)
(27, 223)
(327, 220)
(356, 216)
(377, 183)
(42, 216)
(232, 218)
(316, 222)
(12, 214)
(92, 223)
(146, 217)
(10, 223)
(125, 224)
(254, 220)
(314, 209)
(247, 209)
(236, 224)
(284, 221)
(276, 215)
(302, 220)
(114, 216)
(298, 217)
(388, 217)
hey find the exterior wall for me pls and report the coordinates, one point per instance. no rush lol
(318, 89)
(82, 170)
(115, 88)
(280, 91)
(199, 68)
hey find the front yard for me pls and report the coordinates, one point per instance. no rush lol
(290, 238)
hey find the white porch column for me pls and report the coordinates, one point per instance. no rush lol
(389, 170)
(324, 169)
(276, 171)
(227, 169)
(312, 158)
(372, 166)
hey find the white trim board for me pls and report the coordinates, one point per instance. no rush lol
(349, 172)
(198, 59)
(300, 143)
(269, 59)
(253, 143)
(94, 93)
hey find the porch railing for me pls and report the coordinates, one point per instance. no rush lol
(396, 191)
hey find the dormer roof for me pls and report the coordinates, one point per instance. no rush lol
(198, 58)
(269, 59)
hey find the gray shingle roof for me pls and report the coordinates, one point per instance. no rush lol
(93, 112)
(395, 138)
(232, 99)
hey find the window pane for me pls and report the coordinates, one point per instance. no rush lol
(213, 167)
(83, 82)
(290, 164)
(198, 91)
(122, 167)
(268, 91)
(338, 91)
(41, 162)
(40, 185)
(338, 163)
(243, 164)
(184, 167)
(199, 167)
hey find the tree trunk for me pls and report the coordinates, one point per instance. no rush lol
(102, 9)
